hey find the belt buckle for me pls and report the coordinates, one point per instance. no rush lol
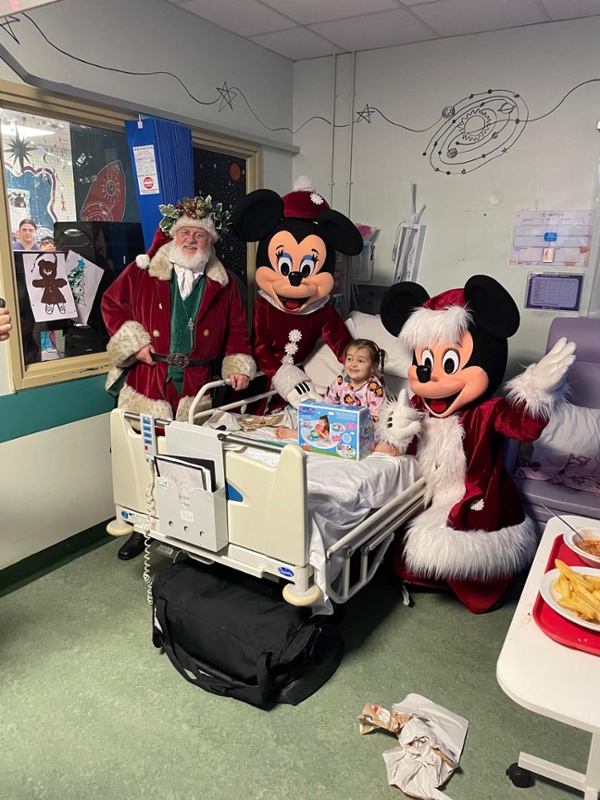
(178, 360)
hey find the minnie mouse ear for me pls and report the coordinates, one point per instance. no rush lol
(493, 308)
(399, 302)
(256, 215)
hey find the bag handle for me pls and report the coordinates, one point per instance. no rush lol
(210, 678)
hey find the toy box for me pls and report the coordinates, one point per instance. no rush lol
(342, 431)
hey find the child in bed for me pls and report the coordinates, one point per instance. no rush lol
(360, 385)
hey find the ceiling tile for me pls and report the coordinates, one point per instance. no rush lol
(297, 44)
(569, 9)
(375, 30)
(416, 2)
(456, 17)
(307, 11)
(245, 18)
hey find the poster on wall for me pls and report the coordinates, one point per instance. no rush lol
(48, 287)
(552, 291)
(552, 238)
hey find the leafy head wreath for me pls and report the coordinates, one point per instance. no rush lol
(196, 208)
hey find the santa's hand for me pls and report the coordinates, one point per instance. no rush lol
(551, 371)
(238, 381)
(399, 423)
(145, 355)
(302, 392)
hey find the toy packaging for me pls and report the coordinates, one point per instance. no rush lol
(342, 431)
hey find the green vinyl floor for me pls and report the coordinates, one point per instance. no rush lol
(89, 710)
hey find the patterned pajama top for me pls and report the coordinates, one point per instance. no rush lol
(370, 395)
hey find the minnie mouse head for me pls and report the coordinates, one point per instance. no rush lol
(298, 235)
(458, 339)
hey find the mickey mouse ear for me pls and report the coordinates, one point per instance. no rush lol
(493, 308)
(399, 302)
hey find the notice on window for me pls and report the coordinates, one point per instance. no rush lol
(554, 291)
(145, 168)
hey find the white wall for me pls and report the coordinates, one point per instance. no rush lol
(553, 165)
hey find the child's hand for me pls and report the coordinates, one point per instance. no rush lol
(286, 433)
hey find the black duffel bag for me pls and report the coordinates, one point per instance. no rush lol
(234, 635)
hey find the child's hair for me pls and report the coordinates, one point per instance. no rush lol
(378, 355)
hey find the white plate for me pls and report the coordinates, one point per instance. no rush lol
(551, 596)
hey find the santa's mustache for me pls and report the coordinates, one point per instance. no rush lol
(190, 259)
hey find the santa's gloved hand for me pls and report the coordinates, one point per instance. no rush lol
(399, 423)
(551, 371)
(302, 392)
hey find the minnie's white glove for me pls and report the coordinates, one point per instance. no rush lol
(551, 371)
(302, 392)
(399, 423)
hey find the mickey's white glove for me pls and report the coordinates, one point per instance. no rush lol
(399, 423)
(302, 392)
(551, 371)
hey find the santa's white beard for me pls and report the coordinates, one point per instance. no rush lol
(187, 259)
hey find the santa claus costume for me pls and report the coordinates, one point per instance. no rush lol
(188, 315)
(298, 236)
(473, 536)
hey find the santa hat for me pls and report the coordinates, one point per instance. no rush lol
(443, 318)
(303, 202)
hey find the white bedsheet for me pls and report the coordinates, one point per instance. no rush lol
(341, 493)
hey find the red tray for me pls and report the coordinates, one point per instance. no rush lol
(555, 626)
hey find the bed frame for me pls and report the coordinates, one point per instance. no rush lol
(251, 521)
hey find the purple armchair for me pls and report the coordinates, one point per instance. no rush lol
(584, 381)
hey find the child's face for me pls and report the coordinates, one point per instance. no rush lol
(358, 364)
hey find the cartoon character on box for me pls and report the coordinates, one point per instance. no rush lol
(298, 236)
(473, 536)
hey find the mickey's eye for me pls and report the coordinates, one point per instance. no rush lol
(450, 362)
(427, 359)
(307, 266)
(284, 263)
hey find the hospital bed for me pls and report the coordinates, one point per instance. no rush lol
(260, 507)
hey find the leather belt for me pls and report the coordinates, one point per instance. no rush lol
(180, 360)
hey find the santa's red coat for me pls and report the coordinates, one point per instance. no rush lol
(137, 311)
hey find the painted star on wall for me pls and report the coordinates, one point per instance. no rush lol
(18, 149)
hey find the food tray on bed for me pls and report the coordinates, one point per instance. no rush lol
(555, 626)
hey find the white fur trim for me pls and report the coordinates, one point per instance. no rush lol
(185, 403)
(126, 342)
(426, 327)
(130, 400)
(538, 402)
(206, 224)
(143, 260)
(303, 184)
(288, 376)
(434, 550)
(239, 364)
(442, 460)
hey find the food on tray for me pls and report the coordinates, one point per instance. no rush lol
(579, 593)
(589, 546)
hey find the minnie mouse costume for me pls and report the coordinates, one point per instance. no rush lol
(473, 536)
(298, 235)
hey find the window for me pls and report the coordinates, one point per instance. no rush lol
(72, 225)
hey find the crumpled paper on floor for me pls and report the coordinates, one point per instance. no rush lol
(431, 740)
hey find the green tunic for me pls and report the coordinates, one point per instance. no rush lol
(182, 330)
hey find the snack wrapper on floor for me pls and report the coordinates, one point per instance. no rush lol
(431, 740)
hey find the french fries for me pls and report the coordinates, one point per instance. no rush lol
(580, 594)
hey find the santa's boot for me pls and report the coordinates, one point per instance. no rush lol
(132, 547)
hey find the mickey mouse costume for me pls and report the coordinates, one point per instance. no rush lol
(298, 235)
(473, 535)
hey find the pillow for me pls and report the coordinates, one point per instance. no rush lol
(570, 430)
(369, 326)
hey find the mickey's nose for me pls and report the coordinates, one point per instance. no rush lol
(423, 374)
(295, 278)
